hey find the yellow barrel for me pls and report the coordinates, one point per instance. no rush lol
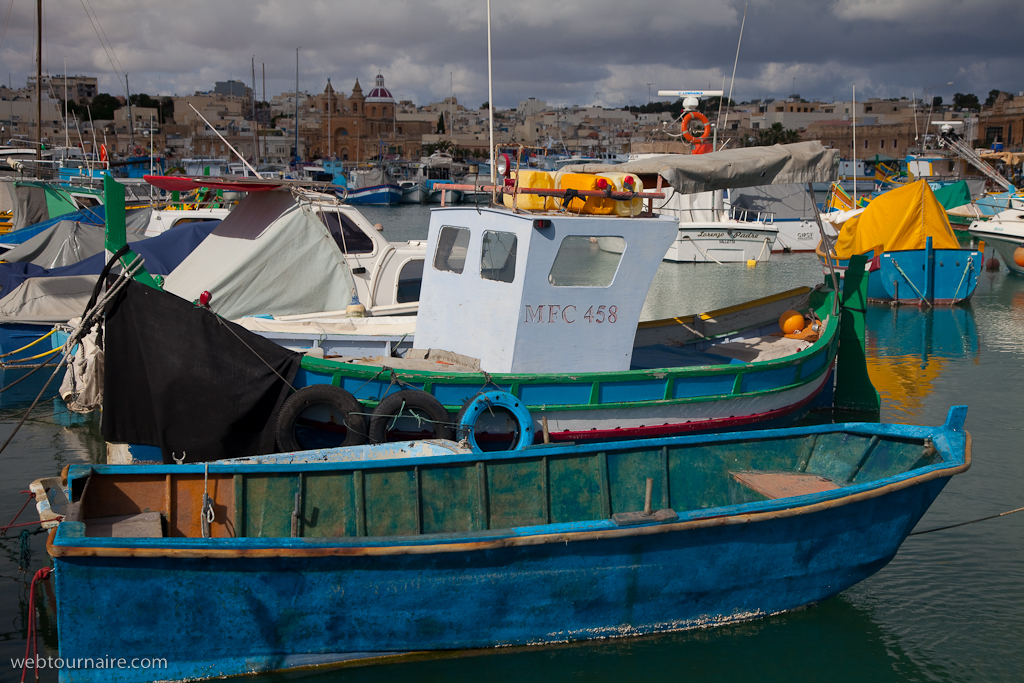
(635, 185)
(531, 202)
(592, 205)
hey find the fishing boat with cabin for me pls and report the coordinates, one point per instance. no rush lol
(375, 552)
(525, 300)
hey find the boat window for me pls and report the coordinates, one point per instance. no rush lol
(350, 239)
(452, 245)
(585, 261)
(183, 221)
(87, 202)
(409, 279)
(498, 256)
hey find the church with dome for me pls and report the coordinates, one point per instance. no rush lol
(361, 127)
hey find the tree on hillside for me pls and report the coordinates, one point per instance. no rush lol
(166, 110)
(993, 96)
(937, 101)
(962, 101)
(776, 135)
(440, 124)
(103, 106)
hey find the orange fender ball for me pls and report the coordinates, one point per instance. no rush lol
(791, 321)
(1018, 256)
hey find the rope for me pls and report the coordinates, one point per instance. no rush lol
(706, 255)
(761, 253)
(910, 282)
(973, 521)
(16, 363)
(30, 643)
(970, 262)
(29, 373)
(88, 320)
(30, 344)
(272, 368)
(3, 530)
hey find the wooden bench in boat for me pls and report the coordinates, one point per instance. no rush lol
(141, 525)
(784, 484)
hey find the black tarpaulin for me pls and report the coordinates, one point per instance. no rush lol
(176, 377)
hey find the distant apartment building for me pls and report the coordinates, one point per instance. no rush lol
(80, 89)
(232, 89)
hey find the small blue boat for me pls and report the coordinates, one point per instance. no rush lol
(373, 186)
(318, 557)
(913, 254)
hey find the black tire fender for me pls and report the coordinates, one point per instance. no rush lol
(391, 404)
(323, 395)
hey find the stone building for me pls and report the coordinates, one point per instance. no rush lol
(361, 127)
(1003, 122)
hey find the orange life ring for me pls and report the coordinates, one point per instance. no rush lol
(690, 137)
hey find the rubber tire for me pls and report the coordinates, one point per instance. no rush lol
(320, 395)
(392, 403)
(472, 409)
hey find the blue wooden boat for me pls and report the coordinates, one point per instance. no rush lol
(316, 557)
(913, 254)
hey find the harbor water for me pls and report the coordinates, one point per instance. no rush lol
(949, 607)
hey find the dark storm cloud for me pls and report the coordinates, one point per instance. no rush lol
(562, 52)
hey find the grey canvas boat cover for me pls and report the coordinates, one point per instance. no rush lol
(784, 201)
(270, 256)
(802, 162)
(47, 299)
(68, 242)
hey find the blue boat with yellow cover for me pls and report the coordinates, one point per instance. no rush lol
(320, 557)
(913, 255)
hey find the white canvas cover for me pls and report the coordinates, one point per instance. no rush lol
(702, 207)
(270, 256)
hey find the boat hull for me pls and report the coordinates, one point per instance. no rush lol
(244, 613)
(948, 276)
(1005, 245)
(375, 195)
(722, 243)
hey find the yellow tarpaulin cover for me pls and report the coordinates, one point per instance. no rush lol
(898, 220)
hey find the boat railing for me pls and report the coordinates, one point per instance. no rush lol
(753, 216)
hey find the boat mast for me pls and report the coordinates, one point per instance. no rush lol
(854, 145)
(39, 80)
(255, 128)
(490, 90)
(296, 110)
(264, 99)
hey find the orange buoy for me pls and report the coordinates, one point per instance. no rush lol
(791, 321)
(1018, 256)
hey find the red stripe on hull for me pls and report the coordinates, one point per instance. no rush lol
(722, 424)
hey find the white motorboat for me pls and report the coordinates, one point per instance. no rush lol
(1005, 232)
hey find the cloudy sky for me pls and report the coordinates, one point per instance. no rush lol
(610, 52)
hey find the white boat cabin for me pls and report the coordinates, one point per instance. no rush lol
(532, 292)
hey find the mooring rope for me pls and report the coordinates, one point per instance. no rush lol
(973, 521)
(910, 282)
(970, 262)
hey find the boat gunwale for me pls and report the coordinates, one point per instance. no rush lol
(603, 529)
(827, 344)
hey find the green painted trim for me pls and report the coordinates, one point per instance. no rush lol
(115, 235)
(854, 390)
(827, 344)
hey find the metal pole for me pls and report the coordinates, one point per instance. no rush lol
(825, 243)
(854, 146)
(39, 80)
(490, 89)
